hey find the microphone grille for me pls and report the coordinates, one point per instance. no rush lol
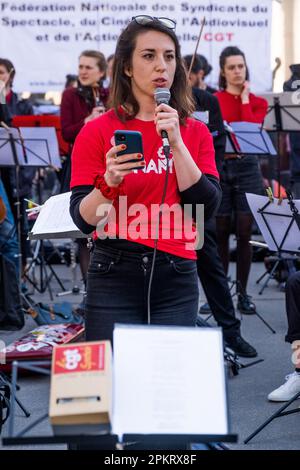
(162, 95)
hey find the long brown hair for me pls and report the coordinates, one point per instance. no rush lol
(121, 92)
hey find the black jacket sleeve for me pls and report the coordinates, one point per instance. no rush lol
(78, 193)
(204, 101)
(206, 191)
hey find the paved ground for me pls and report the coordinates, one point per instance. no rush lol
(247, 392)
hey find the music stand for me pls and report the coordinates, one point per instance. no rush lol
(230, 356)
(283, 112)
(277, 414)
(26, 147)
(156, 397)
(54, 221)
(247, 138)
(283, 236)
(291, 236)
(283, 115)
(48, 120)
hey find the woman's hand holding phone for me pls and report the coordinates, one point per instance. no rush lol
(117, 167)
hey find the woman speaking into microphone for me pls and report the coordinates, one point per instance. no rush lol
(147, 57)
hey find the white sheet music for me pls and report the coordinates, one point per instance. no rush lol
(169, 380)
(54, 220)
(278, 223)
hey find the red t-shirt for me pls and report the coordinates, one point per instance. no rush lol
(143, 186)
(234, 111)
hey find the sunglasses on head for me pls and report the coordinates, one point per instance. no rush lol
(144, 20)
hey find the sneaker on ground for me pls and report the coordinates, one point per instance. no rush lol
(286, 391)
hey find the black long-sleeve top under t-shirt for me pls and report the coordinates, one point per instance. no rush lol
(206, 191)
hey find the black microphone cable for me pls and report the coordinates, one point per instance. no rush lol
(167, 155)
(161, 95)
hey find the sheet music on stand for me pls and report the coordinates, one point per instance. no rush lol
(283, 111)
(283, 235)
(159, 385)
(248, 138)
(35, 146)
(54, 220)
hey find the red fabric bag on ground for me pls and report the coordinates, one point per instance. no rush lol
(38, 343)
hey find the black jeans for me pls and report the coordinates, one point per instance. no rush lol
(214, 282)
(292, 297)
(117, 286)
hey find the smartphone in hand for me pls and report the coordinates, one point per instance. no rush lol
(133, 142)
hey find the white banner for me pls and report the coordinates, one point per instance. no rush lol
(44, 39)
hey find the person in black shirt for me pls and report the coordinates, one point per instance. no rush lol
(293, 84)
(200, 69)
(209, 265)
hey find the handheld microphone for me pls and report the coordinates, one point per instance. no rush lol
(163, 95)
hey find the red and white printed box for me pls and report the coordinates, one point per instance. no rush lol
(81, 385)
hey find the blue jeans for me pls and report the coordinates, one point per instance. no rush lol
(9, 246)
(117, 286)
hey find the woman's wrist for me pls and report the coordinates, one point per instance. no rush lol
(109, 192)
(109, 182)
(179, 147)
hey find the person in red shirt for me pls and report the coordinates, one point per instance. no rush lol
(87, 101)
(147, 56)
(80, 105)
(238, 175)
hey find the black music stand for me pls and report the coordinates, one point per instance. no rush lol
(281, 239)
(31, 147)
(105, 441)
(283, 116)
(283, 112)
(232, 359)
(279, 413)
(246, 138)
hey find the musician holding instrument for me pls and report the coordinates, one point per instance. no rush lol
(79, 105)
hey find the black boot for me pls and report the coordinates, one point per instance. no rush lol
(205, 309)
(240, 346)
(245, 306)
